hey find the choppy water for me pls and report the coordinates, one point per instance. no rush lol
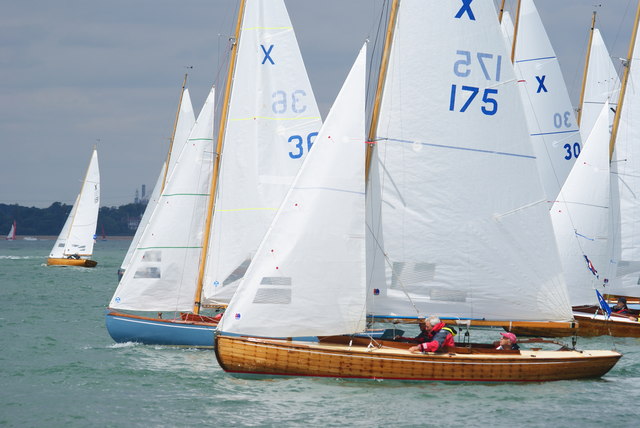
(60, 368)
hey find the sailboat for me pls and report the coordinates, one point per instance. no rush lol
(162, 274)
(455, 219)
(592, 226)
(184, 121)
(268, 124)
(74, 246)
(11, 236)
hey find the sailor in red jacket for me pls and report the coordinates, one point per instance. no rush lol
(438, 335)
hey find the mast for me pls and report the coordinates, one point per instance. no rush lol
(625, 79)
(384, 64)
(216, 162)
(173, 134)
(501, 11)
(515, 32)
(586, 67)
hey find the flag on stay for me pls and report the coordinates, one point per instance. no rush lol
(603, 304)
(590, 266)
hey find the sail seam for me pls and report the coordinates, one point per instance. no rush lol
(459, 148)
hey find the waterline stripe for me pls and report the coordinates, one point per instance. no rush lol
(536, 59)
(460, 148)
(200, 139)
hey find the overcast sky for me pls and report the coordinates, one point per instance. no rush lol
(73, 72)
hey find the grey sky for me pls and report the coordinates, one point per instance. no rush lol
(76, 71)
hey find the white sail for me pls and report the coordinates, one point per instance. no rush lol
(626, 173)
(581, 218)
(12, 232)
(272, 122)
(185, 122)
(76, 237)
(465, 225)
(552, 123)
(163, 272)
(602, 85)
(308, 277)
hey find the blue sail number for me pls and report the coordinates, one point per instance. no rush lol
(298, 141)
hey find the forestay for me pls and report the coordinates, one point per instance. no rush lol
(185, 122)
(272, 122)
(602, 85)
(626, 170)
(164, 268)
(465, 225)
(556, 136)
(308, 276)
(581, 218)
(76, 237)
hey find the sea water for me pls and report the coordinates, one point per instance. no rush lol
(60, 368)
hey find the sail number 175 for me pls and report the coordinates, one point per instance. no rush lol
(462, 96)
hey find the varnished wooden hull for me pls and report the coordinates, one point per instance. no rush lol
(251, 356)
(587, 325)
(71, 262)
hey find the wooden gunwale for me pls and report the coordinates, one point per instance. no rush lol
(272, 357)
(168, 320)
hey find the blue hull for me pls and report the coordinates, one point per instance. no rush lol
(148, 331)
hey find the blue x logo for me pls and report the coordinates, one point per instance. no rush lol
(541, 86)
(267, 54)
(466, 8)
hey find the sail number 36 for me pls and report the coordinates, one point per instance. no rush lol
(486, 63)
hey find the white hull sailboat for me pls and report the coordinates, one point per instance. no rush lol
(74, 246)
(436, 240)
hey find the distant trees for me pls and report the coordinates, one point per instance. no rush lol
(117, 221)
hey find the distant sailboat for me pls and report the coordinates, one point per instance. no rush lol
(74, 245)
(11, 236)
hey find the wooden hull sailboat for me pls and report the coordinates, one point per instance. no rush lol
(421, 236)
(74, 246)
(332, 357)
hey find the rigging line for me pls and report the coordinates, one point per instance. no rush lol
(393, 273)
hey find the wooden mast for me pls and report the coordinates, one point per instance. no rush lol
(515, 32)
(586, 67)
(216, 162)
(375, 115)
(501, 11)
(623, 87)
(173, 134)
